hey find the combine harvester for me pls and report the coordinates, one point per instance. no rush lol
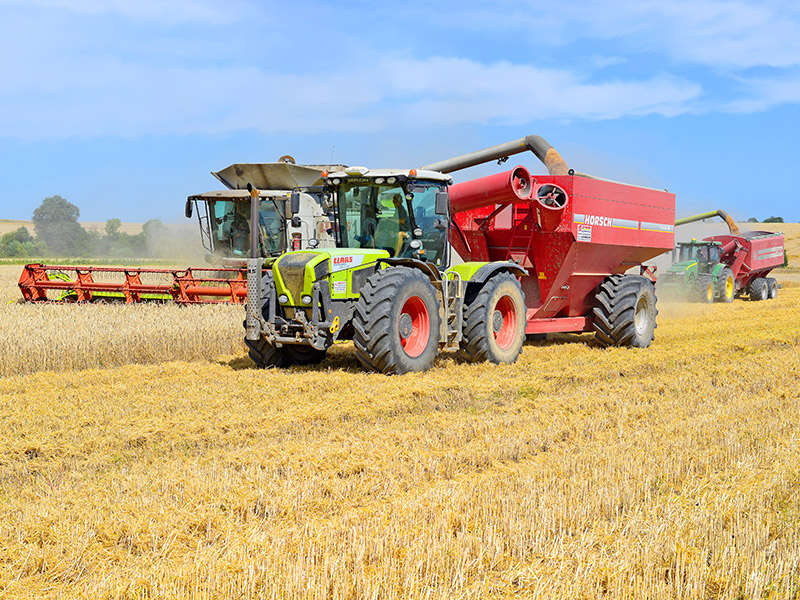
(724, 267)
(425, 265)
(223, 217)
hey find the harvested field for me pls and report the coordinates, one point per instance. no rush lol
(575, 472)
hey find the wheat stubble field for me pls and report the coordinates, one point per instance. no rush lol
(672, 472)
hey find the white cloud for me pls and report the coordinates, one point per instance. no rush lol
(103, 96)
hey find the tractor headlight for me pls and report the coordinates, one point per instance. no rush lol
(283, 298)
(415, 244)
(379, 180)
(337, 181)
(306, 299)
(391, 180)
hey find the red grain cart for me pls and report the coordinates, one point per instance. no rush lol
(751, 256)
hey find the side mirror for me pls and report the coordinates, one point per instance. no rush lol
(295, 202)
(442, 203)
(188, 208)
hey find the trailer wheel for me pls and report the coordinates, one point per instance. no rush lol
(758, 289)
(494, 321)
(704, 289)
(726, 285)
(772, 288)
(396, 322)
(625, 311)
(305, 355)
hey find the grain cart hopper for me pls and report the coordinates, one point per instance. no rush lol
(577, 236)
(223, 217)
(722, 267)
(394, 286)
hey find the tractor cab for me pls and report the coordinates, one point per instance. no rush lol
(394, 211)
(705, 254)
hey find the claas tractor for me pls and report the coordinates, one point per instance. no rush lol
(394, 285)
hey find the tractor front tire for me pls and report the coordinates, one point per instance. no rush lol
(726, 286)
(494, 321)
(625, 312)
(396, 322)
(758, 289)
(266, 356)
(772, 288)
(704, 289)
(305, 355)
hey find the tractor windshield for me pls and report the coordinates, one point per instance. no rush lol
(230, 227)
(388, 216)
(702, 253)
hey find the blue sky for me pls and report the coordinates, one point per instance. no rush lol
(123, 107)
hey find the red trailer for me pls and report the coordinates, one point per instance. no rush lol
(577, 236)
(751, 256)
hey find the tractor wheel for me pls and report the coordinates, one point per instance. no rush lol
(265, 355)
(494, 321)
(305, 355)
(396, 322)
(772, 288)
(261, 352)
(703, 290)
(758, 289)
(726, 286)
(625, 311)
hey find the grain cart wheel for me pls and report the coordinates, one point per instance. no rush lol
(396, 322)
(772, 288)
(305, 355)
(703, 290)
(758, 289)
(625, 311)
(494, 321)
(726, 285)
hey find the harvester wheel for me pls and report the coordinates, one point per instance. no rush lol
(772, 288)
(305, 355)
(625, 311)
(396, 322)
(494, 321)
(704, 289)
(726, 285)
(758, 289)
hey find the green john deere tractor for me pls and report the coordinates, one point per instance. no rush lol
(697, 274)
(394, 285)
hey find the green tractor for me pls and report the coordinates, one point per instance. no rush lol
(696, 273)
(394, 285)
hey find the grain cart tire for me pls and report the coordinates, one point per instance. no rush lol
(758, 289)
(703, 290)
(265, 355)
(726, 286)
(494, 321)
(772, 288)
(396, 322)
(305, 355)
(625, 311)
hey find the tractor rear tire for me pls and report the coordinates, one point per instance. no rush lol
(772, 288)
(396, 322)
(704, 289)
(305, 355)
(494, 321)
(266, 356)
(758, 289)
(625, 312)
(726, 286)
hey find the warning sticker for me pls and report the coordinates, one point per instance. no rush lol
(584, 233)
(339, 287)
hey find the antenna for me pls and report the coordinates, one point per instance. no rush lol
(333, 149)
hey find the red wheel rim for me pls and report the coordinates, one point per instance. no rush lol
(505, 334)
(416, 341)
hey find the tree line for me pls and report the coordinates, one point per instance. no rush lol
(57, 232)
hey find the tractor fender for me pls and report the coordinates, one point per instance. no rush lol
(428, 268)
(493, 268)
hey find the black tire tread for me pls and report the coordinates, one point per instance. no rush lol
(615, 310)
